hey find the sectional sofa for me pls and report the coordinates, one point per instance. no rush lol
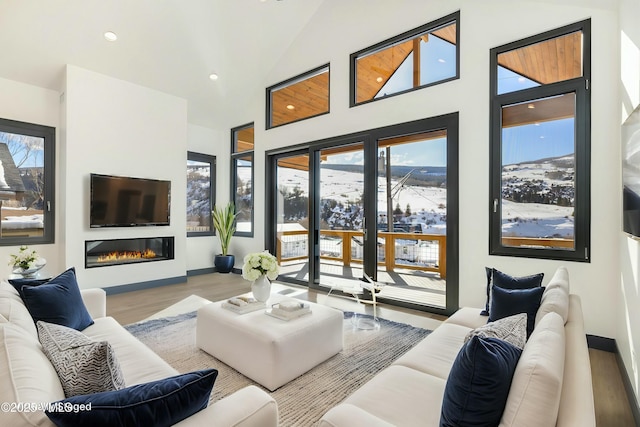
(551, 385)
(27, 376)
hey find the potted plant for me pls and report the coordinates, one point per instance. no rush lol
(224, 221)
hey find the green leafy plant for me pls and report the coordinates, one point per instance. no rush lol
(224, 221)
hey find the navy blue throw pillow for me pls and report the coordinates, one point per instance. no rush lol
(159, 403)
(479, 381)
(19, 283)
(57, 301)
(507, 302)
(505, 281)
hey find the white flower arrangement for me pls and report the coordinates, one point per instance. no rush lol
(259, 263)
(25, 259)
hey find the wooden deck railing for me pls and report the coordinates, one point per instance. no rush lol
(537, 242)
(391, 261)
(347, 238)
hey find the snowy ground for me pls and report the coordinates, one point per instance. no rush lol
(428, 204)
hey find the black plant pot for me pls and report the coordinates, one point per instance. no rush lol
(224, 263)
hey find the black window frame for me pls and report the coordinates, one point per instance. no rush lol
(235, 156)
(206, 158)
(581, 86)
(353, 58)
(48, 134)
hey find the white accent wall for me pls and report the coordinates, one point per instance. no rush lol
(338, 29)
(119, 128)
(628, 278)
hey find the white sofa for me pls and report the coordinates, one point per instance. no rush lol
(551, 384)
(26, 376)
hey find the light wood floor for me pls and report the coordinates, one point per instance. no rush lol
(612, 407)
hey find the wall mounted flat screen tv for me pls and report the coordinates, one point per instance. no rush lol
(631, 174)
(118, 201)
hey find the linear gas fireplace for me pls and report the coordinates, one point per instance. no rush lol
(102, 253)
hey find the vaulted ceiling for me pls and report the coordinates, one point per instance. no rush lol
(169, 45)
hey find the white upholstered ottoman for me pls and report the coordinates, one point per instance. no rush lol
(270, 351)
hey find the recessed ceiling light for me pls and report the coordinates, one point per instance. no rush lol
(110, 36)
(379, 79)
(531, 106)
(291, 107)
(213, 76)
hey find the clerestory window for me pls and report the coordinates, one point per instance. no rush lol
(421, 57)
(298, 98)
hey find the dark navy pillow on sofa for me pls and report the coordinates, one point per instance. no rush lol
(505, 281)
(158, 403)
(507, 302)
(57, 301)
(479, 381)
(19, 283)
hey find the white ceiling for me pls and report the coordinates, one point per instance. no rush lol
(168, 45)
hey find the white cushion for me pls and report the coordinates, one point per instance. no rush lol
(401, 396)
(560, 279)
(138, 362)
(6, 287)
(435, 354)
(25, 376)
(16, 313)
(556, 300)
(534, 396)
(84, 366)
(469, 317)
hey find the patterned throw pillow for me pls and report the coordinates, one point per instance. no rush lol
(512, 329)
(84, 366)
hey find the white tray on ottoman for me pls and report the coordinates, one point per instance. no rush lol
(268, 350)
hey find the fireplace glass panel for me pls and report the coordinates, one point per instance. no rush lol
(102, 253)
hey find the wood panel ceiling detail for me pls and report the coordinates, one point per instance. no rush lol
(309, 97)
(547, 62)
(543, 110)
(245, 140)
(373, 71)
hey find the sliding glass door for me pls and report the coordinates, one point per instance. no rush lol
(292, 216)
(382, 203)
(412, 217)
(341, 215)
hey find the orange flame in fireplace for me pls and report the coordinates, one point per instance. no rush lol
(126, 255)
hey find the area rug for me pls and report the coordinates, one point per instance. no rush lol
(303, 401)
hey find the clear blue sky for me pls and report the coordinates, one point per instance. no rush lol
(532, 142)
(519, 144)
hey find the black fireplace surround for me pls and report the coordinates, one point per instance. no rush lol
(103, 253)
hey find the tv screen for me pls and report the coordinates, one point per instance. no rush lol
(118, 201)
(631, 174)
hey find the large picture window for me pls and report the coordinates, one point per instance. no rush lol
(421, 57)
(242, 144)
(201, 173)
(540, 145)
(26, 183)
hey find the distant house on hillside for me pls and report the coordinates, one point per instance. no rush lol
(11, 185)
